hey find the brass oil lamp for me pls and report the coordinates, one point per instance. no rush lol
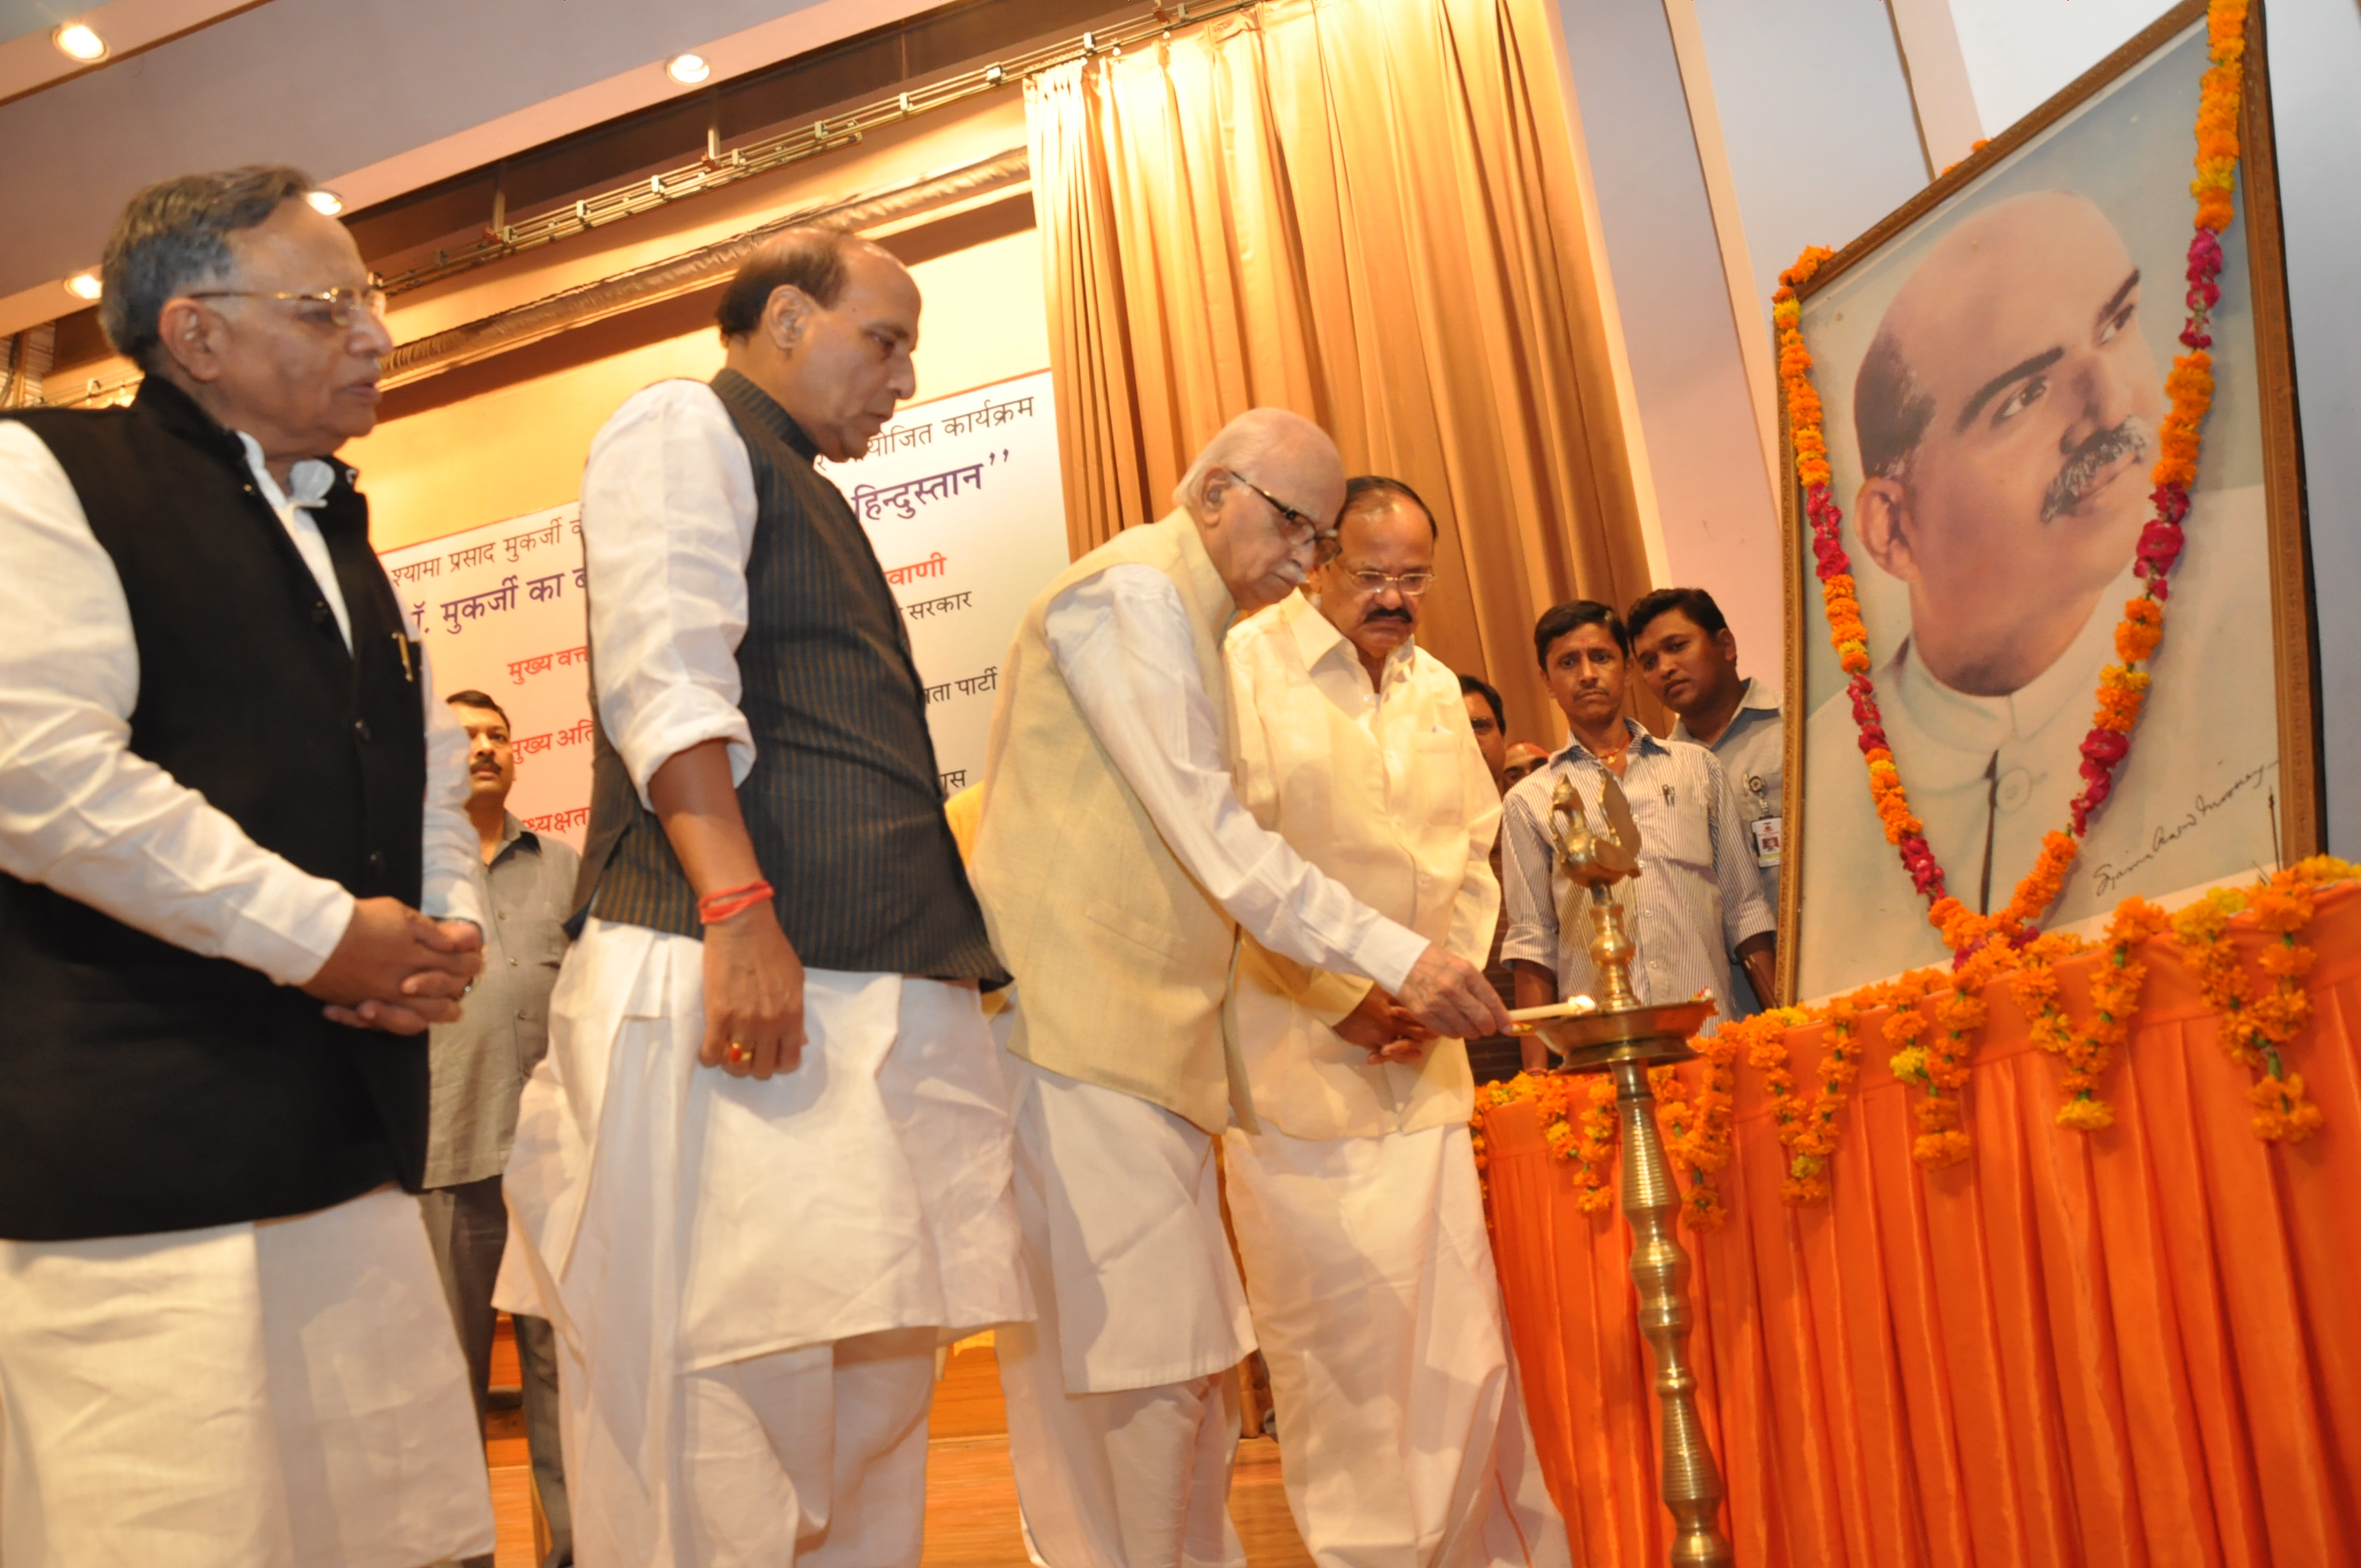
(1620, 1034)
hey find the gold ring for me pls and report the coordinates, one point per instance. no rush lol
(739, 1053)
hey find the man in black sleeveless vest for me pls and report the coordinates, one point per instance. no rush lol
(768, 1042)
(226, 793)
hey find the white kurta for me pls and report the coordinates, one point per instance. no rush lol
(284, 1394)
(674, 1222)
(1356, 1207)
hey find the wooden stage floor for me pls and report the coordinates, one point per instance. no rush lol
(971, 1494)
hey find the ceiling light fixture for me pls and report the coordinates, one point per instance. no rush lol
(688, 70)
(84, 286)
(326, 203)
(79, 41)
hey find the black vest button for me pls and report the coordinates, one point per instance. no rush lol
(320, 612)
(361, 729)
(377, 862)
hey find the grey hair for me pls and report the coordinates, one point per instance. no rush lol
(1240, 446)
(174, 236)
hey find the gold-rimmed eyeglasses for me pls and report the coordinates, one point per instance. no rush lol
(1300, 525)
(346, 307)
(1369, 580)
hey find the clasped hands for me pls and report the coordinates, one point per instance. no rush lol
(1442, 994)
(397, 970)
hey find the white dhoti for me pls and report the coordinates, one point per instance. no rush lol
(283, 1394)
(1123, 1413)
(1401, 1430)
(735, 1266)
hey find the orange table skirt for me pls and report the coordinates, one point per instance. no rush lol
(2140, 1347)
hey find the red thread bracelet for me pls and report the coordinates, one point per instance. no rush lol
(722, 903)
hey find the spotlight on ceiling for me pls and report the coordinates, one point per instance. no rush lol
(84, 286)
(324, 202)
(80, 40)
(688, 70)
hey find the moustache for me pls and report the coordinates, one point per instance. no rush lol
(1400, 615)
(2087, 462)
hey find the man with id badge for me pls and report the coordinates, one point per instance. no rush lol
(1688, 654)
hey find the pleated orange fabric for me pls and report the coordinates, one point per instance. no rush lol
(1371, 213)
(2136, 1348)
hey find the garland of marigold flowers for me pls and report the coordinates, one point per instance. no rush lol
(2258, 1021)
(2122, 688)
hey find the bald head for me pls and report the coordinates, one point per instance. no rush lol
(825, 322)
(1262, 491)
(2006, 411)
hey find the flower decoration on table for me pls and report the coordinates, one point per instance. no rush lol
(2259, 1018)
(2122, 688)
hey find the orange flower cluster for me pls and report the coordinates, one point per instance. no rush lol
(1577, 1118)
(2217, 114)
(2122, 692)
(1846, 629)
(2191, 388)
(2257, 1022)
(2141, 629)
(1697, 1129)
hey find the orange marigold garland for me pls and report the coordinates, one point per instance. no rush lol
(2258, 1021)
(1696, 1127)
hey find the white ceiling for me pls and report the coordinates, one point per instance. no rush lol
(373, 97)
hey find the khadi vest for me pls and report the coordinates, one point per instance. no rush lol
(1122, 960)
(844, 804)
(144, 1088)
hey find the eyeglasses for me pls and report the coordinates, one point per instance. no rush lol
(346, 307)
(1370, 581)
(1300, 525)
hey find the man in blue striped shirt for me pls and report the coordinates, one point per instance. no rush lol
(1698, 896)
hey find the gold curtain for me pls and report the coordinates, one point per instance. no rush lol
(1367, 212)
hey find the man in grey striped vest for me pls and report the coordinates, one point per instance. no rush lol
(767, 1047)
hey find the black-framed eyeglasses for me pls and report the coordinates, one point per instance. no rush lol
(1298, 523)
(346, 307)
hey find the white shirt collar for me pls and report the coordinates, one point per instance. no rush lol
(310, 481)
(1983, 724)
(1316, 638)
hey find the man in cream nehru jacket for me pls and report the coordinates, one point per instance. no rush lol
(1358, 1216)
(1116, 866)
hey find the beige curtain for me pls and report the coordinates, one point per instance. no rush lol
(1367, 212)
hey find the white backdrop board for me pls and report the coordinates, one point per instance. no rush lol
(962, 499)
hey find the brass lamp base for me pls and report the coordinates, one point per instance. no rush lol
(1627, 1042)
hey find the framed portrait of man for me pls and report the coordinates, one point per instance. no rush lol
(1991, 360)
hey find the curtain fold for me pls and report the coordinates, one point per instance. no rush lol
(2127, 1349)
(1367, 212)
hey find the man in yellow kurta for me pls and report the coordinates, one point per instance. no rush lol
(1355, 1204)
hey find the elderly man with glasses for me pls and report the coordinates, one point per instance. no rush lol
(226, 793)
(1116, 868)
(1358, 1217)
